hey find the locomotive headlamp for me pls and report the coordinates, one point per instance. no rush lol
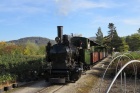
(57, 39)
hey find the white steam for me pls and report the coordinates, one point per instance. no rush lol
(67, 6)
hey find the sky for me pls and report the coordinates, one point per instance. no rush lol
(26, 18)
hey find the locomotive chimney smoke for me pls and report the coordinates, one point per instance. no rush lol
(60, 32)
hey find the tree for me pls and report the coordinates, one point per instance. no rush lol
(31, 48)
(127, 39)
(2, 44)
(41, 50)
(134, 42)
(113, 40)
(110, 36)
(10, 49)
(125, 46)
(138, 30)
(116, 41)
(99, 36)
(111, 31)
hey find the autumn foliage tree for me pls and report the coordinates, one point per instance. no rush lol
(28, 49)
(10, 49)
(33, 49)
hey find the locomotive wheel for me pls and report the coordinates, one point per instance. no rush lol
(75, 75)
(89, 67)
(78, 76)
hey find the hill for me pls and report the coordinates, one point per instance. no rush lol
(36, 40)
(92, 38)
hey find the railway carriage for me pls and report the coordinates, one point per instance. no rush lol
(86, 48)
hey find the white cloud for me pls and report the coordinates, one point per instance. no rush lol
(105, 20)
(22, 9)
(64, 6)
(67, 6)
(90, 4)
(14, 12)
(132, 21)
(26, 6)
(132, 7)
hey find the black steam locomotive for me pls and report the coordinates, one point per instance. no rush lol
(69, 57)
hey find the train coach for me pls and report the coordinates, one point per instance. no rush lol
(67, 59)
(90, 52)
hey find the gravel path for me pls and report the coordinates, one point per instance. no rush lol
(126, 86)
(117, 88)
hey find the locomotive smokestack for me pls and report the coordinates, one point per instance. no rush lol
(60, 32)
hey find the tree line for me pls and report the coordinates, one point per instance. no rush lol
(116, 43)
(27, 49)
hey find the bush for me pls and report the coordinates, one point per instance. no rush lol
(21, 65)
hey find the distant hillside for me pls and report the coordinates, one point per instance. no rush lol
(92, 38)
(36, 40)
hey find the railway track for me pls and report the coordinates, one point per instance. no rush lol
(37, 87)
(58, 89)
(51, 89)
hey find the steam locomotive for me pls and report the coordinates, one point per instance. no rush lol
(67, 59)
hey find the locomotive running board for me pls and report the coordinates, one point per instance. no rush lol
(57, 80)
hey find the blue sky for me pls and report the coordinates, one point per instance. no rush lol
(25, 18)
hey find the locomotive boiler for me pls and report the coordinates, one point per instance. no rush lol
(63, 60)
